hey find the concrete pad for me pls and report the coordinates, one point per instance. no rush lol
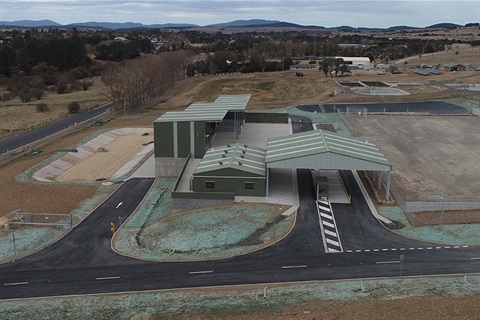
(184, 184)
(146, 170)
(336, 190)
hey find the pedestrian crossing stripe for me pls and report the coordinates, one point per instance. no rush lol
(331, 240)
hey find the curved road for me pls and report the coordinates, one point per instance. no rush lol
(82, 261)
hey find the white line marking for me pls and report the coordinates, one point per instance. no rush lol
(292, 267)
(438, 247)
(333, 242)
(328, 224)
(326, 215)
(384, 249)
(420, 248)
(465, 246)
(333, 234)
(200, 272)
(349, 250)
(393, 249)
(384, 262)
(118, 205)
(107, 278)
(447, 247)
(456, 247)
(324, 208)
(402, 249)
(330, 250)
(376, 250)
(367, 250)
(358, 250)
(476, 258)
(411, 248)
(15, 283)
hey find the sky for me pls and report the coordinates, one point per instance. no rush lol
(355, 13)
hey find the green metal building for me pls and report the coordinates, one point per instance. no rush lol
(237, 169)
(179, 135)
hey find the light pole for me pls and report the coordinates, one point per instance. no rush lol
(14, 246)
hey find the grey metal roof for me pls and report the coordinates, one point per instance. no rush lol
(237, 156)
(209, 112)
(322, 142)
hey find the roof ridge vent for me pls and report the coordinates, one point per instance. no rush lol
(239, 163)
(242, 156)
(245, 146)
(226, 151)
(244, 151)
(224, 156)
(220, 162)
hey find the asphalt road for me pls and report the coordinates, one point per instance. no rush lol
(82, 262)
(433, 107)
(49, 129)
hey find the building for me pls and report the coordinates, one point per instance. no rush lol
(453, 66)
(236, 168)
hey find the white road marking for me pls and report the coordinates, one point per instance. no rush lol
(476, 258)
(292, 267)
(429, 248)
(107, 278)
(324, 208)
(384, 262)
(333, 242)
(376, 250)
(465, 246)
(438, 247)
(15, 283)
(201, 272)
(384, 249)
(333, 234)
(367, 250)
(333, 250)
(402, 249)
(411, 248)
(358, 250)
(393, 249)
(328, 224)
(118, 205)
(349, 250)
(456, 247)
(447, 247)
(326, 215)
(420, 248)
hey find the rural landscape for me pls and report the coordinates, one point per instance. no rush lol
(114, 142)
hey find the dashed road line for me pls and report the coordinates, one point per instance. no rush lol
(403, 249)
(201, 272)
(475, 258)
(107, 278)
(15, 283)
(294, 267)
(386, 262)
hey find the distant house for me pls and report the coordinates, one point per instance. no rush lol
(427, 71)
(302, 66)
(453, 66)
(382, 66)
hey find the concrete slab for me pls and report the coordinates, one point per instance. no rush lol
(336, 189)
(146, 170)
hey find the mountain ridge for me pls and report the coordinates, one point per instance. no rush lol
(252, 23)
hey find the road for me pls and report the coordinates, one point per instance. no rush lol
(49, 129)
(83, 263)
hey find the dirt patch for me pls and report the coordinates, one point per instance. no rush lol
(428, 218)
(51, 198)
(431, 156)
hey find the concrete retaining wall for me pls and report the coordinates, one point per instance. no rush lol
(169, 167)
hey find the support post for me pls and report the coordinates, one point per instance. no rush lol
(387, 192)
(267, 182)
(379, 184)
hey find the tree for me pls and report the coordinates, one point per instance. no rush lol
(42, 107)
(62, 86)
(73, 107)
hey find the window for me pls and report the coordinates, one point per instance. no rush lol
(249, 185)
(210, 185)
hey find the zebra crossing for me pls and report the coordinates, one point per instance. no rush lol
(331, 240)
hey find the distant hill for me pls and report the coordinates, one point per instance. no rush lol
(444, 25)
(129, 25)
(252, 23)
(30, 23)
(402, 28)
(245, 23)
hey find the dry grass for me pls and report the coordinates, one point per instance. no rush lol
(16, 115)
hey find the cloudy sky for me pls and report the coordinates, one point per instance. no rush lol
(357, 13)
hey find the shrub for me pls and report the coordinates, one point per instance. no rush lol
(86, 84)
(42, 107)
(37, 93)
(62, 87)
(75, 86)
(73, 107)
(25, 95)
